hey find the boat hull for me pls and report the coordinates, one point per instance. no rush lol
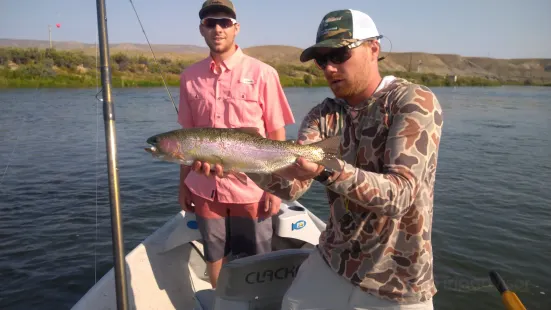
(167, 268)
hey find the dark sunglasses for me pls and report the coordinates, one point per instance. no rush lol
(337, 56)
(224, 22)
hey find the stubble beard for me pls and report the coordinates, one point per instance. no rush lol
(220, 49)
(349, 89)
(353, 86)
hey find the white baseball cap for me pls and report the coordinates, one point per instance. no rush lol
(341, 28)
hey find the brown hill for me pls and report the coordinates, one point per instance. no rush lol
(161, 50)
(136, 47)
(275, 53)
(441, 64)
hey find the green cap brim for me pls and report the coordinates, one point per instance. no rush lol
(310, 52)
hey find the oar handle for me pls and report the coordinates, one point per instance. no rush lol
(498, 282)
(509, 298)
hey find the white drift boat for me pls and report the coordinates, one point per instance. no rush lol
(167, 270)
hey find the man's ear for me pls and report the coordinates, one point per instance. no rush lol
(237, 26)
(375, 50)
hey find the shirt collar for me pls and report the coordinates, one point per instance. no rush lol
(387, 84)
(231, 62)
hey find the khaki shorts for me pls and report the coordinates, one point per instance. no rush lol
(318, 287)
(227, 228)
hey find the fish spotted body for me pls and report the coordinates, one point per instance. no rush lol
(237, 149)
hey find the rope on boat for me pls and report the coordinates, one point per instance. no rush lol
(154, 58)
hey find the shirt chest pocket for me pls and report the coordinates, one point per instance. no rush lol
(201, 111)
(244, 107)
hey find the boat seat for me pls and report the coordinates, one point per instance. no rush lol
(204, 299)
(253, 282)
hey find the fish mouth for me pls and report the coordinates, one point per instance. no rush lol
(152, 150)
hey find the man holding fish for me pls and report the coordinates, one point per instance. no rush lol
(229, 89)
(376, 251)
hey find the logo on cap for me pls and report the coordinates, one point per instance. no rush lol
(333, 19)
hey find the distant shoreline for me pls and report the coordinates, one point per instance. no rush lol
(119, 80)
(80, 81)
(50, 68)
(119, 84)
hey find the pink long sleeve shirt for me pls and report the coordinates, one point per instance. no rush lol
(245, 93)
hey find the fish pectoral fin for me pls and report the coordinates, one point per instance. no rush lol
(177, 156)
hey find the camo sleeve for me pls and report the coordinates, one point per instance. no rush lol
(409, 157)
(280, 187)
(313, 128)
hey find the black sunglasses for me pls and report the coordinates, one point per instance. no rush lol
(224, 22)
(338, 55)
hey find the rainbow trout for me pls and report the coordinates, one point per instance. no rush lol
(238, 150)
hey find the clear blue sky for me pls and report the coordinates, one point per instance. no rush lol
(502, 29)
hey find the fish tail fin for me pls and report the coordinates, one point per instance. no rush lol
(330, 147)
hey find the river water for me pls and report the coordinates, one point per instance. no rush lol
(492, 199)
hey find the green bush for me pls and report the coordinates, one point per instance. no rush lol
(52, 68)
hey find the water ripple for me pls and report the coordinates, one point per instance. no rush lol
(492, 199)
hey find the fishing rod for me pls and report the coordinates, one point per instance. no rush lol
(112, 169)
(509, 298)
(154, 57)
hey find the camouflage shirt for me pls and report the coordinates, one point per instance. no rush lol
(379, 231)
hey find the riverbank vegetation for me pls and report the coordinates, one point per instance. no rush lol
(31, 67)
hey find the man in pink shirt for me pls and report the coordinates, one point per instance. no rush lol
(229, 89)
